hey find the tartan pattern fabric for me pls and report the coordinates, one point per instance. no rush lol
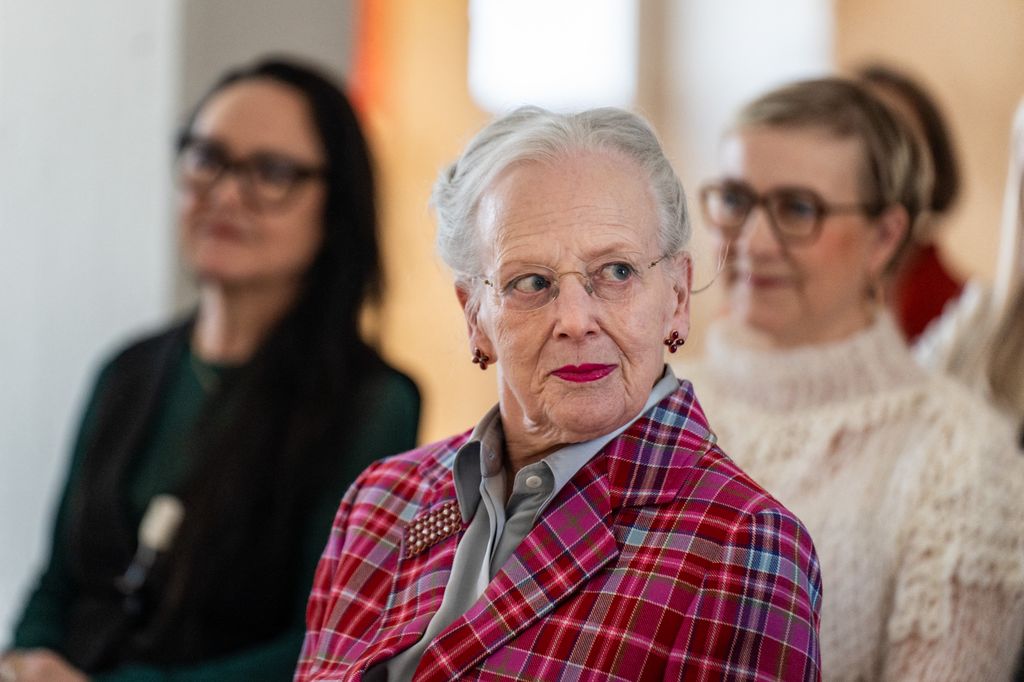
(660, 559)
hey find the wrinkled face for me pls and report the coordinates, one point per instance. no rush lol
(225, 237)
(579, 366)
(810, 292)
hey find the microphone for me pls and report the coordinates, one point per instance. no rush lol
(157, 531)
(111, 637)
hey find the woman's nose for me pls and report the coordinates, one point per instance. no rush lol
(227, 189)
(575, 308)
(758, 235)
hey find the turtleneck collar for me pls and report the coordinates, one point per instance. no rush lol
(746, 367)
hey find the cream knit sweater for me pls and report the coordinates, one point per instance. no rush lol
(910, 487)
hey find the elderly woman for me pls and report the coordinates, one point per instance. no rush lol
(908, 483)
(588, 527)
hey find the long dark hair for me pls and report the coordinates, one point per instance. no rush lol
(261, 444)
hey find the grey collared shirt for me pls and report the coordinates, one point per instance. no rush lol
(497, 527)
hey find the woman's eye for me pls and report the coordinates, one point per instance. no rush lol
(274, 171)
(529, 284)
(797, 208)
(204, 157)
(735, 200)
(616, 272)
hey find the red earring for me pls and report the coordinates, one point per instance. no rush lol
(480, 358)
(674, 342)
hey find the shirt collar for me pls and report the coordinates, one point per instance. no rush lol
(483, 454)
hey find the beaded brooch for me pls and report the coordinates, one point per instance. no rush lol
(429, 529)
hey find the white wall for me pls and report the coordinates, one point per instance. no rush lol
(86, 106)
(217, 34)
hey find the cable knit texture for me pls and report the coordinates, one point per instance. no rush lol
(910, 487)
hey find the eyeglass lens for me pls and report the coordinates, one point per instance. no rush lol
(267, 179)
(612, 278)
(795, 213)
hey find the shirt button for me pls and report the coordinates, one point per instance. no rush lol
(534, 481)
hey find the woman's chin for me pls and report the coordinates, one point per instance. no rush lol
(762, 322)
(216, 275)
(588, 421)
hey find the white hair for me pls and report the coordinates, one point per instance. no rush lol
(534, 134)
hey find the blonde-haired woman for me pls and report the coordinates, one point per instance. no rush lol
(908, 484)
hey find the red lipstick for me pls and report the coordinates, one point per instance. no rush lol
(583, 373)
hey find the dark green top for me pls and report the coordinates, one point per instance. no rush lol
(161, 466)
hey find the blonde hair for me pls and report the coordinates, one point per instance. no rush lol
(1006, 363)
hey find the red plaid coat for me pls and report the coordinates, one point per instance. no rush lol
(660, 559)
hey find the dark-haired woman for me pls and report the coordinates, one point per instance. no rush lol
(255, 414)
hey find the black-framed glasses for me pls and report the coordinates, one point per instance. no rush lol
(268, 180)
(614, 277)
(795, 214)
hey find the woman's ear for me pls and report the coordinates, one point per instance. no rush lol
(471, 310)
(682, 282)
(892, 231)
